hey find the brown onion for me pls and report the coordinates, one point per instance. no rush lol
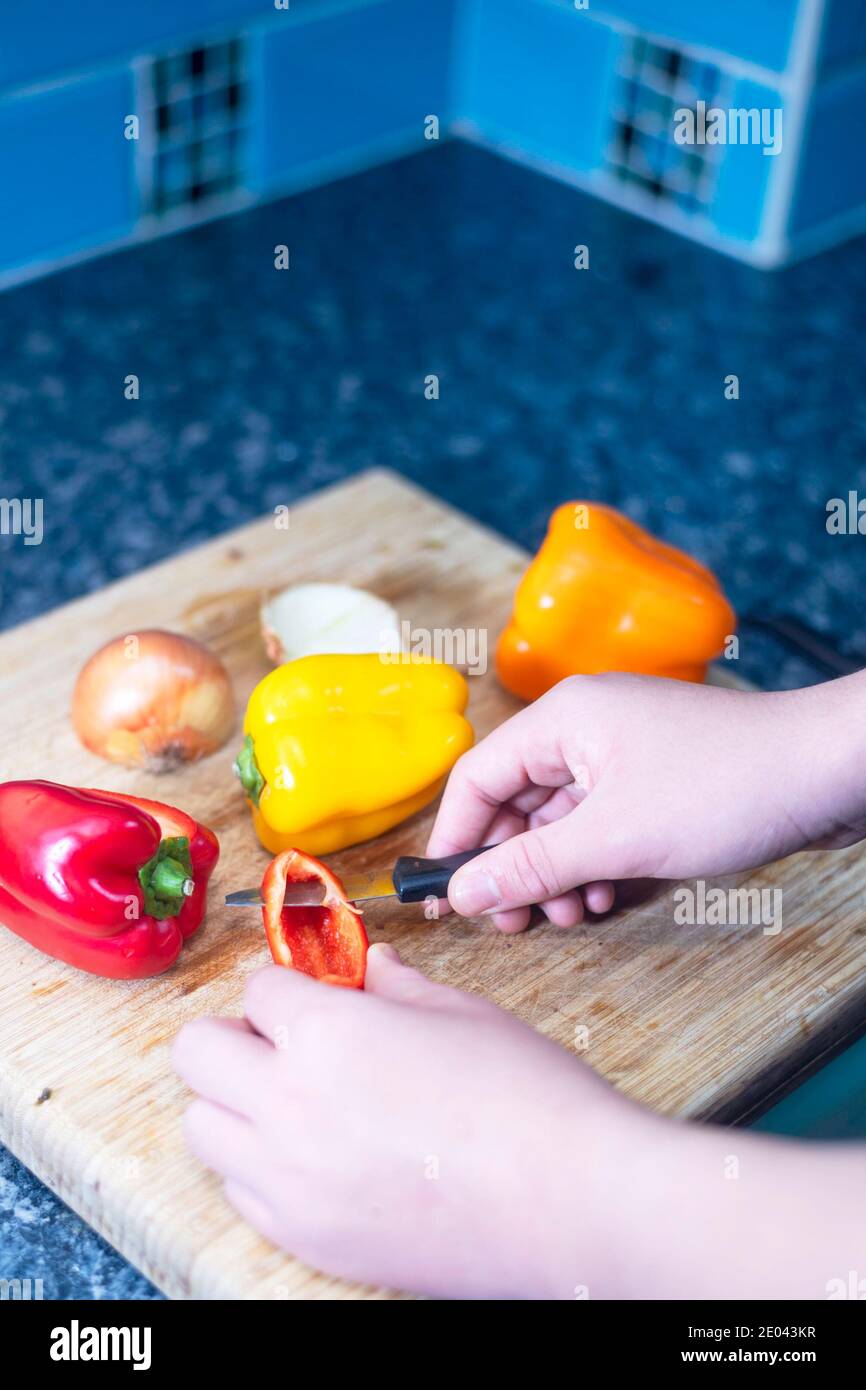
(153, 699)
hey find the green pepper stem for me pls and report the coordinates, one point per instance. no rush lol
(167, 878)
(170, 878)
(248, 772)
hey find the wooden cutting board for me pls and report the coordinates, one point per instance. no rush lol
(700, 1021)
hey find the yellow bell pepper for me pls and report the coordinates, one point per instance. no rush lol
(340, 748)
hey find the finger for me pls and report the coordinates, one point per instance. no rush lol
(223, 1061)
(564, 911)
(560, 802)
(512, 922)
(493, 773)
(463, 819)
(254, 1208)
(599, 897)
(381, 952)
(530, 801)
(536, 866)
(221, 1139)
(568, 909)
(506, 822)
(275, 999)
(390, 979)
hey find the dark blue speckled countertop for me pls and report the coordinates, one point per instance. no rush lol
(258, 386)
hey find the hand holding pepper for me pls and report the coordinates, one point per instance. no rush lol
(407, 1134)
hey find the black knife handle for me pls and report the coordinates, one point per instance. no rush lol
(805, 642)
(416, 879)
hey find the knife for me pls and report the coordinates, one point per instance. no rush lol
(411, 880)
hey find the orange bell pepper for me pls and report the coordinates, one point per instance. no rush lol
(602, 594)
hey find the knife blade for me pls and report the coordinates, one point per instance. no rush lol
(358, 890)
(412, 880)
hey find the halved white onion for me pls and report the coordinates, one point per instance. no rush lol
(316, 619)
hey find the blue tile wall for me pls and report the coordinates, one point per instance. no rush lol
(758, 31)
(745, 171)
(843, 37)
(61, 37)
(348, 81)
(66, 168)
(339, 83)
(831, 178)
(537, 76)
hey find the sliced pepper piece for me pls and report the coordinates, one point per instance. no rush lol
(327, 941)
(111, 884)
(602, 594)
(340, 748)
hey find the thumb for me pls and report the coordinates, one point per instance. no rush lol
(388, 977)
(535, 866)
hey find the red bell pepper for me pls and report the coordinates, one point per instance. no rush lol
(328, 941)
(109, 883)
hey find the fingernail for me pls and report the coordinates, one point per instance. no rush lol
(384, 948)
(474, 892)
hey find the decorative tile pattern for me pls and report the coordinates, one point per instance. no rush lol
(195, 102)
(652, 83)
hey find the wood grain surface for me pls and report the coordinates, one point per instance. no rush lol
(699, 1021)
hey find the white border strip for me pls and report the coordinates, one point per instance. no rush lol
(780, 193)
(777, 78)
(601, 185)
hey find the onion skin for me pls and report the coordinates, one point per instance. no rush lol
(273, 646)
(154, 700)
(322, 619)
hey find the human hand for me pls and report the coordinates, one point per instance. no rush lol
(409, 1135)
(617, 776)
